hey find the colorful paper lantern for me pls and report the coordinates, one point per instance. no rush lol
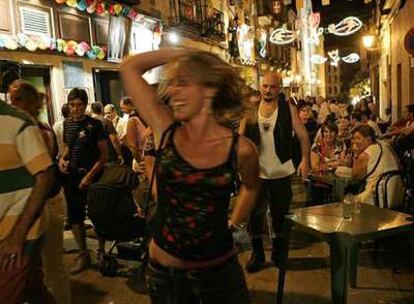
(70, 47)
(52, 44)
(125, 11)
(118, 9)
(44, 43)
(100, 8)
(91, 54)
(91, 6)
(82, 48)
(31, 45)
(22, 39)
(132, 14)
(10, 44)
(60, 45)
(72, 3)
(82, 5)
(111, 9)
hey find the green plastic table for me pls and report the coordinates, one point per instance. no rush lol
(343, 236)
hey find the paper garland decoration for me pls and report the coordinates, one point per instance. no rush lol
(101, 8)
(71, 47)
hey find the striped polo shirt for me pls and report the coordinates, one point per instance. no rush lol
(23, 154)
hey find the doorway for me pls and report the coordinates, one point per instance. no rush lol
(108, 86)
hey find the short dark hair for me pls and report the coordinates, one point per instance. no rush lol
(356, 115)
(9, 72)
(96, 108)
(365, 113)
(64, 110)
(127, 101)
(366, 131)
(77, 93)
(330, 126)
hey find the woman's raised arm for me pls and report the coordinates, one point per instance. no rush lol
(143, 95)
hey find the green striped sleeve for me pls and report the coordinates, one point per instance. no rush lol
(15, 179)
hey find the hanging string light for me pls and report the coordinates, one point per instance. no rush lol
(318, 59)
(346, 27)
(282, 36)
(351, 58)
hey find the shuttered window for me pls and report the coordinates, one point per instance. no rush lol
(34, 21)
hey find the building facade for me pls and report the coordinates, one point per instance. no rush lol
(396, 65)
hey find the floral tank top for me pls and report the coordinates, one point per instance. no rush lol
(191, 218)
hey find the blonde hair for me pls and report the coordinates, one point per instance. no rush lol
(211, 71)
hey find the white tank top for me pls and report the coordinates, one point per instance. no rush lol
(270, 165)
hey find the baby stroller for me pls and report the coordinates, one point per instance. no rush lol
(112, 210)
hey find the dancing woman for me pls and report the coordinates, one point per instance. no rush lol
(191, 252)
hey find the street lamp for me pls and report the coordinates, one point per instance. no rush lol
(368, 41)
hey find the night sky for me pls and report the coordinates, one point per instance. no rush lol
(338, 10)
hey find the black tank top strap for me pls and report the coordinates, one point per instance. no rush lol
(167, 135)
(233, 160)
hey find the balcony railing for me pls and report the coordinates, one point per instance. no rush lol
(195, 16)
(213, 25)
(190, 12)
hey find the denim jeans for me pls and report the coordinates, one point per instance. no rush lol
(223, 283)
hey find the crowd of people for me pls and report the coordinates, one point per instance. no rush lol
(213, 144)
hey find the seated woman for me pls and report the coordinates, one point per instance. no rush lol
(328, 153)
(372, 159)
(306, 117)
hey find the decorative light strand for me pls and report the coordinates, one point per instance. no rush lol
(346, 27)
(318, 59)
(351, 58)
(334, 55)
(263, 43)
(335, 58)
(282, 36)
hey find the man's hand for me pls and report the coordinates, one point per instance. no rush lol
(63, 166)
(11, 251)
(303, 168)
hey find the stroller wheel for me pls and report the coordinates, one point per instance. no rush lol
(109, 266)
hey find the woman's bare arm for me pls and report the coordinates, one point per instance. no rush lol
(249, 171)
(143, 95)
(359, 170)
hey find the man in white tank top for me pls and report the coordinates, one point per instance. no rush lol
(273, 135)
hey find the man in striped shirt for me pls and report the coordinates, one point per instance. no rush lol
(85, 153)
(25, 180)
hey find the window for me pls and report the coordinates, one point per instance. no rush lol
(5, 17)
(190, 11)
(35, 21)
(74, 27)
